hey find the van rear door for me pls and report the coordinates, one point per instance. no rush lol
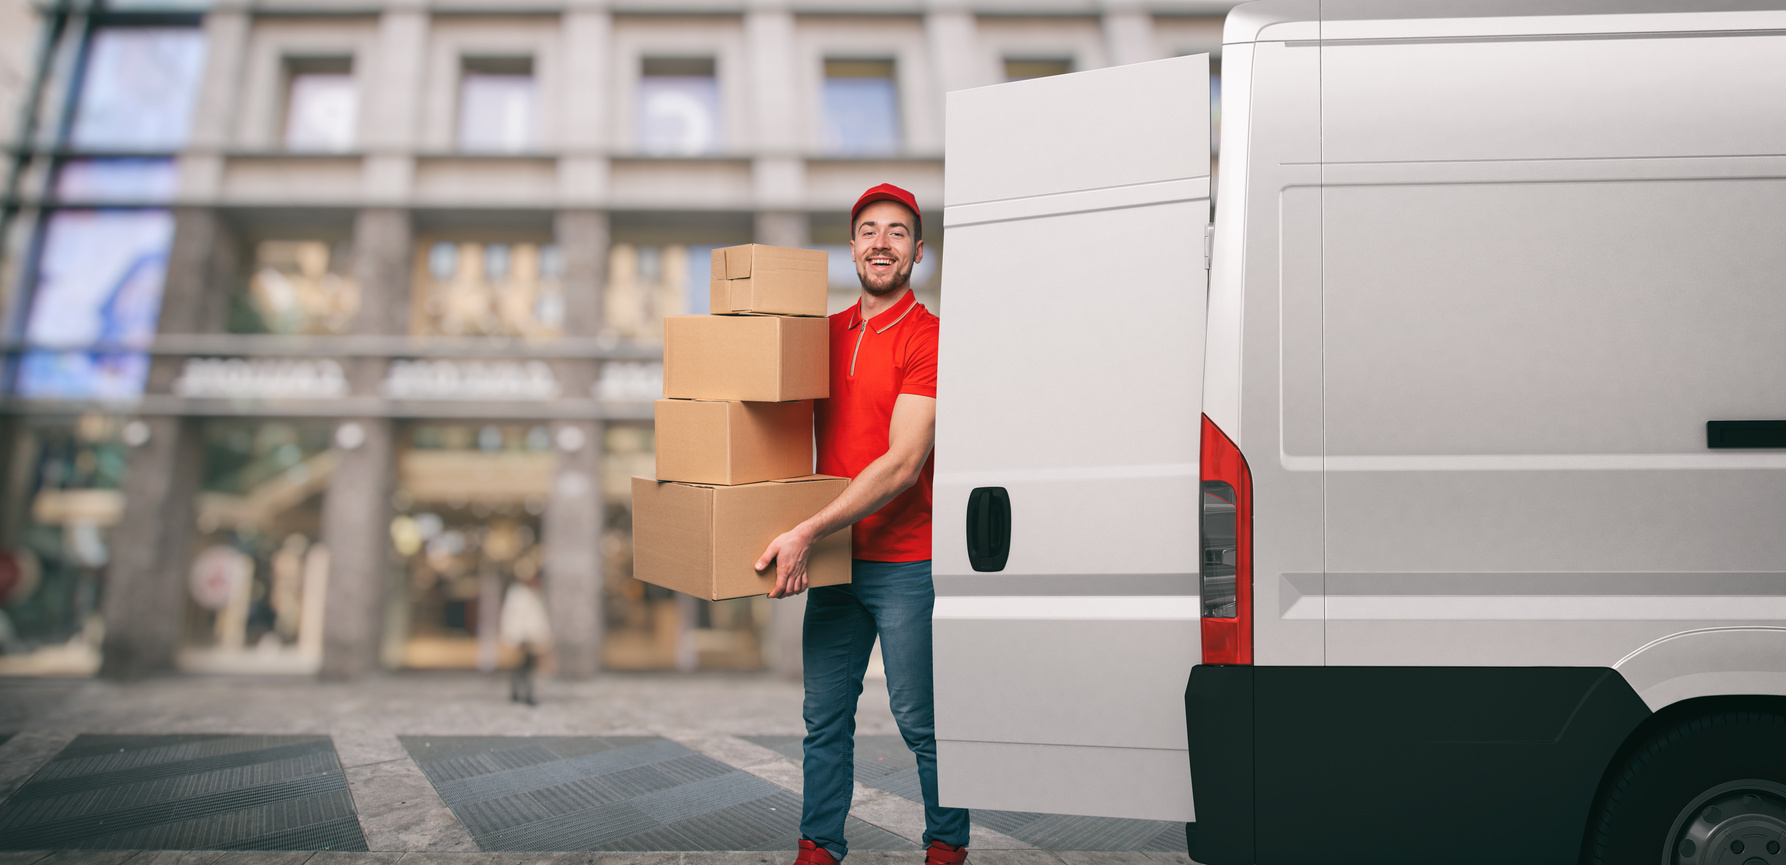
(1068, 411)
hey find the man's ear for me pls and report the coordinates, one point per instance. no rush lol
(918, 252)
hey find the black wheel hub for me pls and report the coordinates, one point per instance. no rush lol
(1739, 823)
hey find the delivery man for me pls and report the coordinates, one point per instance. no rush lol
(877, 429)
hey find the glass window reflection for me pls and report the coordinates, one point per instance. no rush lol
(678, 107)
(488, 289)
(861, 104)
(321, 111)
(99, 283)
(139, 89)
(298, 287)
(497, 107)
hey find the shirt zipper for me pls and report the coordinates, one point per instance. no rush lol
(858, 352)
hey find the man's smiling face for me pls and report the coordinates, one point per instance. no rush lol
(883, 247)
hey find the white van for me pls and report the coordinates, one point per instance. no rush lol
(1455, 489)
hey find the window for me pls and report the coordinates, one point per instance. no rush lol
(71, 473)
(322, 106)
(678, 107)
(861, 105)
(99, 283)
(497, 106)
(298, 287)
(647, 282)
(258, 568)
(1019, 69)
(139, 88)
(488, 289)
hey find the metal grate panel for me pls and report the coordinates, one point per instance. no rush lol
(885, 763)
(189, 792)
(639, 794)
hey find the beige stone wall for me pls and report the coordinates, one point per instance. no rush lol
(18, 42)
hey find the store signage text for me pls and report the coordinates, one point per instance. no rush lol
(470, 380)
(260, 378)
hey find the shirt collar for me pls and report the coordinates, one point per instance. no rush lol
(885, 318)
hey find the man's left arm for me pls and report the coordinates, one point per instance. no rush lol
(910, 436)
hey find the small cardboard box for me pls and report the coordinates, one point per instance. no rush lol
(768, 279)
(759, 358)
(703, 539)
(731, 442)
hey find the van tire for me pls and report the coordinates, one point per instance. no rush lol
(1687, 777)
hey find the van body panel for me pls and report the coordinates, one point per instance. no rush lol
(1453, 100)
(1529, 320)
(1129, 783)
(1275, 332)
(1018, 640)
(1708, 663)
(1343, 20)
(999, 132)
(1072, 357)
(1266, 20)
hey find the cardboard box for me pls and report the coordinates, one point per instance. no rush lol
(768, 279)
(731, 442)
(702, 539)
(759, 358)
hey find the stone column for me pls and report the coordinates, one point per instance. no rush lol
(785, 228)
(144, 595)
(782, 649)
(775, 125)
(779, 177)
(571, 529)
(144, 599)
(1128, 34)
(388, 109)
(583, 238)
(357, 507)
(572, 532)
(356, 519)
(227, 27)
(956, 55)
(587, 35)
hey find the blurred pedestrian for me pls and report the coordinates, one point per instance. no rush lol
(524, 624)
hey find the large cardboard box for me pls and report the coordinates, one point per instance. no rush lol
(759, 358)
(731, 442)
(768, 279)
(703, 539)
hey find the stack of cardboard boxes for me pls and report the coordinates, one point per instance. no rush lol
(734, 431)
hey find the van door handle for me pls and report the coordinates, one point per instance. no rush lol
(988, 528)
(1745, 433)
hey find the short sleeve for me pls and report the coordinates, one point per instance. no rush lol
(920, 364)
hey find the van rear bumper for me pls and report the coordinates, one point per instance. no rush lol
(1387, 765)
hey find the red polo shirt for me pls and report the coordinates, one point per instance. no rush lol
(872, 363)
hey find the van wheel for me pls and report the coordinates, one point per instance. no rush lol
(1709, 790)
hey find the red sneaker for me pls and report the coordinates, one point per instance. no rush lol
(945, 854)
(813, 854)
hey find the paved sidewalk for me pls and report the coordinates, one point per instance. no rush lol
(440, 769)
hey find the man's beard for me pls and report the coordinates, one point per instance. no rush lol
(901, 278)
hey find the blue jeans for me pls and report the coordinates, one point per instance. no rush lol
(893, 599)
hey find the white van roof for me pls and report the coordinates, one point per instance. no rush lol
(1303, 20)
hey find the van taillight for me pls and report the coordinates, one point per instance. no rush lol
(1226, 575)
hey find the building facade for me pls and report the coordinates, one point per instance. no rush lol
(325, 319)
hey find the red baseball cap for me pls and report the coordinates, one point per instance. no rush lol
(889, 192)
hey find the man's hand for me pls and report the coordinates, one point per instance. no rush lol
(789, 552)
(910, 435)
